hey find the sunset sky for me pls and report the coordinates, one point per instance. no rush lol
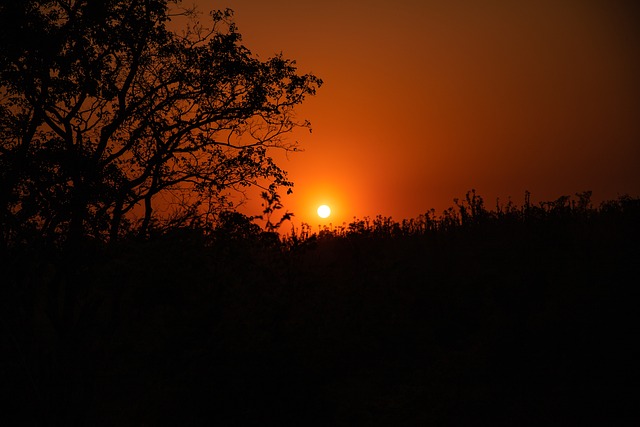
(424, 100)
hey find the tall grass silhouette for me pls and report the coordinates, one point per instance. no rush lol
(517, 315)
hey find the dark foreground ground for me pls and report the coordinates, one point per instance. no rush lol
(518, 319)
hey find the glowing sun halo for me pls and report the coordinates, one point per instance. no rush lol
(324, 211)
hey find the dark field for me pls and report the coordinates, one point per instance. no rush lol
(518, 316)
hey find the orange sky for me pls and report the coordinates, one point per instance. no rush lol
(424, 100)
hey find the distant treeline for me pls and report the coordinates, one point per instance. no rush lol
(512, 316)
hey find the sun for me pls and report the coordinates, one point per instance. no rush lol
(324, 211)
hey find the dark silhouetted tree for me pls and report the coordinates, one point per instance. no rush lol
(113, 123)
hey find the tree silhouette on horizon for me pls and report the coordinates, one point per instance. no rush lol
(111, 123)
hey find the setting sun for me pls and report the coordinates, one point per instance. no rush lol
(324, 211)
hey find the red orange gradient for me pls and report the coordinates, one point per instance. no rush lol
(424, 100)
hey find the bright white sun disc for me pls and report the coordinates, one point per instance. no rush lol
(324, 211)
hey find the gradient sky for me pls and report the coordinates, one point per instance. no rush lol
(424, 100)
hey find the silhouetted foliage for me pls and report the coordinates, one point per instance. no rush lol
(522, 315)
(112, 123)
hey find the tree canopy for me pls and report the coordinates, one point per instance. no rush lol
(112, 122)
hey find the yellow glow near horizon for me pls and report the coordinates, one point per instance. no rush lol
(526, 124)
(324, 211)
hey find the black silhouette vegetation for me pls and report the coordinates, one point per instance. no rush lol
(131, 295)
(113, 125)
